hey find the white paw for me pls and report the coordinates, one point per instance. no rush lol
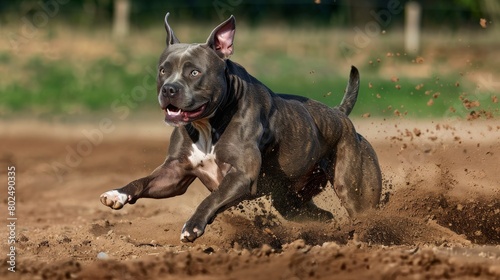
(114, 199)
(184, 234)
(187, 237)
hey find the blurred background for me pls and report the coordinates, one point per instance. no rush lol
(63, 60)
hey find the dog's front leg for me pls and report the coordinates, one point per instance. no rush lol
(169, 179)
(238, 184)
(233, 189)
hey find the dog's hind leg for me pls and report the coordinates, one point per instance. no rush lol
(358, 179)
(294, 208)
(372, 175)
(296, 203)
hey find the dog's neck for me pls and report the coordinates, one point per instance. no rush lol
(211, 128)
(203, 131)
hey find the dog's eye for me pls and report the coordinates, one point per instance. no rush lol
(195, 73)
(162, 71)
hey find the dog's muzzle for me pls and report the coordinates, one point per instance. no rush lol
(178, 116)
(172, 101)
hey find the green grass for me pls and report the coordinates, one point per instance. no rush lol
(60, 88)
(378, 97)
(80, 82)
(386, 98)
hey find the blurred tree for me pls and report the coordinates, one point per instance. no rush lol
(472, 5)
(92, 13)
(360, 10)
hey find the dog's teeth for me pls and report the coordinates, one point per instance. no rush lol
(173, 113)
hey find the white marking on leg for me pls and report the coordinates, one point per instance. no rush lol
(184, 233)
(114, 199)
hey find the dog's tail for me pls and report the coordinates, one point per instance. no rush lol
(351, 92)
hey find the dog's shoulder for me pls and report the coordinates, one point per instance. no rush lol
(234, 69)
(243, 82)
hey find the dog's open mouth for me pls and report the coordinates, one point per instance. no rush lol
(176, 115)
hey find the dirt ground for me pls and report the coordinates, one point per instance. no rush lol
(439, 218)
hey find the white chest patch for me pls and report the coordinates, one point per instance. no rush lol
(203, 158)
(202, 149)
(201, 152)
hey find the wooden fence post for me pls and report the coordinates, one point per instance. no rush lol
(413, 13)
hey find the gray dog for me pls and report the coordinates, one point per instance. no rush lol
(243, 141)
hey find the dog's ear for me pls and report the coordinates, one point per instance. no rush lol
(221, 38)
(171, 39)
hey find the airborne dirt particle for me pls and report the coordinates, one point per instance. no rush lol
(482, 22)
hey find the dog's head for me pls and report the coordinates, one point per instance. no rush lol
(191, 79)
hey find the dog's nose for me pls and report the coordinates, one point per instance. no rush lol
(170, 90)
